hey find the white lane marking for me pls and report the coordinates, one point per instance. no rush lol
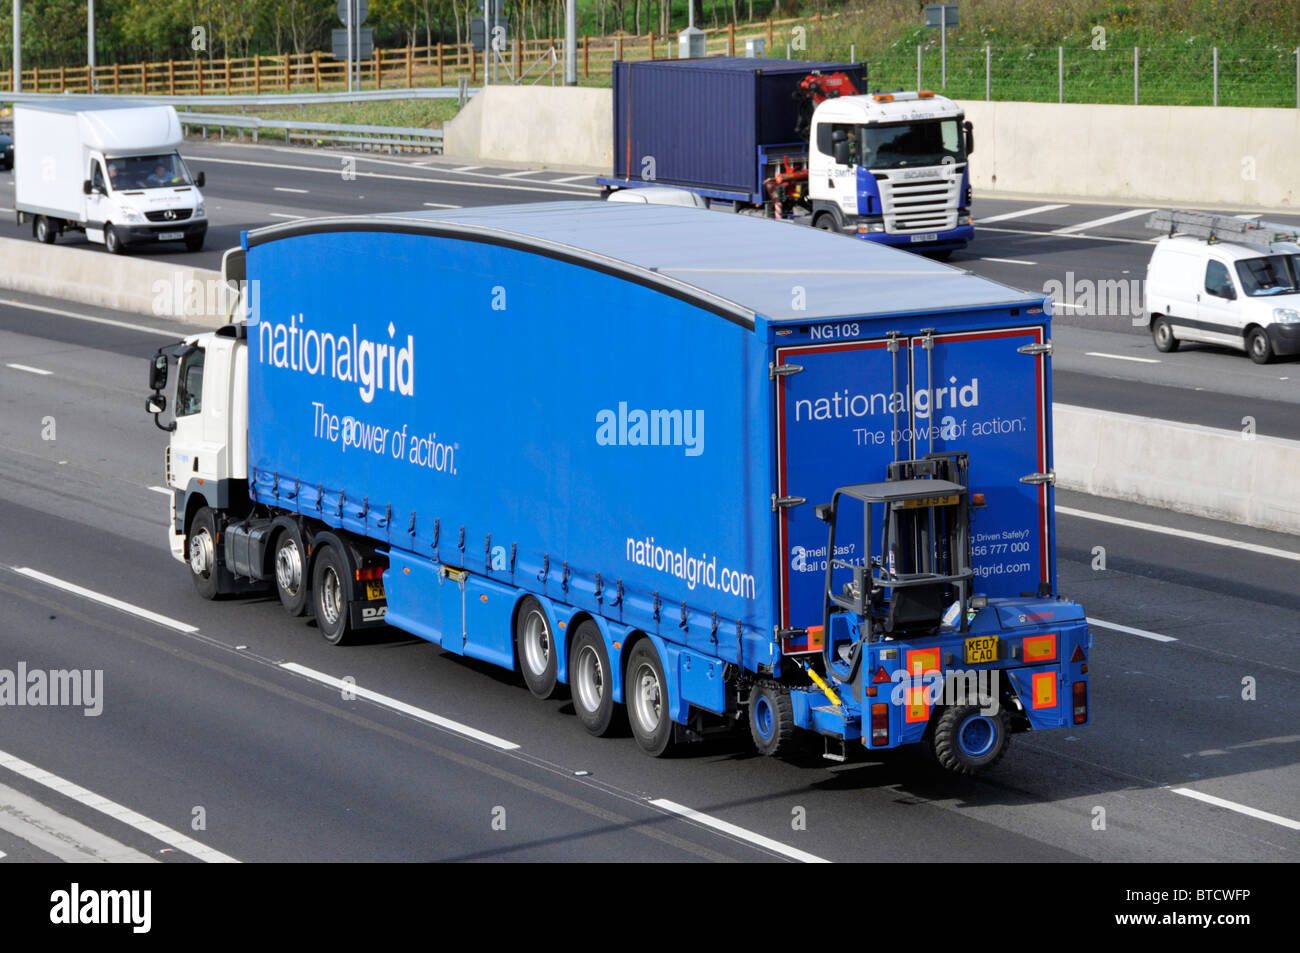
(512, 175)
(747, 835)
(441, 205)
(1089, 238)
(1064, 304)
(1239, 808)
(1010, 261)
(467, 168)
(1182, 533)
(1121, 357)
(114, 810)
(30, 370)
(109, 601)
(284, 215)
(160, 489)
(400, 706)
(281, 188)
(1146, 634)
(1006, 216)
(3, 855)
(5, 209)
(10, 302)
(458, 183)
(59, 835)
(1247, 217)
(1098, 222)
(572, 178)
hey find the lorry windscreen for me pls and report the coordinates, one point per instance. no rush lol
(147, 172)
(1270, 275)
(907, 144)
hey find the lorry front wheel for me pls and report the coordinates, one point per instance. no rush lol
(968, 741)
(771, 718)
(536, 646)
(589, 681)
(44, 230)
(112, 240)
(826, 222)
(330, 591)
(1162, 335)
(1258, 346)
(201, 553)
(291, 572)
(646, 691)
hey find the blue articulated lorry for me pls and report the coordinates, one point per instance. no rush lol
(598, 444)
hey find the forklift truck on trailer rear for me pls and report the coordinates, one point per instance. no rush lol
(591, 443)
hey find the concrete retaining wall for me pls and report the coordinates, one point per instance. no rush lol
(1184, 467)
(121, 282)
(540, 126)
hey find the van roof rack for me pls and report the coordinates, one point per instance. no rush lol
(1221, 228)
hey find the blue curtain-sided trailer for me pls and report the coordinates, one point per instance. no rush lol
(592, 442)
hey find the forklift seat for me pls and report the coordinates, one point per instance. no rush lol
(917, 605)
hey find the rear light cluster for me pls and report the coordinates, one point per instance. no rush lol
(371, 574)
(879, 725)
(1080, 702)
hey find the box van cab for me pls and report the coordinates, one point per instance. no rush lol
(1237, 295)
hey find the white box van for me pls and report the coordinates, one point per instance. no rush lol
(107, 168)
(1243, 296)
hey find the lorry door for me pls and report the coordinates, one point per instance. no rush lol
(834, 423)
(1219, 306)
(98, 206)
(984, 393)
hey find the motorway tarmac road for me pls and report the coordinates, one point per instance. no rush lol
(1102, 360)
(1192, 754)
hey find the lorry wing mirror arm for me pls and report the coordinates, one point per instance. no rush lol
(970, 136)
(201, 180)
(156, 404)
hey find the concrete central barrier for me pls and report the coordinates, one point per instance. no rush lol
(566, 127)
(120, 282)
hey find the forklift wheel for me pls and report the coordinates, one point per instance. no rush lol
(967, 742)
(771, 718)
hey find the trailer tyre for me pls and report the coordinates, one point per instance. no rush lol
(290, 561)
(112, 241)
(329, 587)
(646, 691)
(1162, 335)
(967, 742)
(201, 553)
(535, 643)
(590, 682)
(771, 719)
(44, 231)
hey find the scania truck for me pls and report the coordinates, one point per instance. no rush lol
(800, 141)
(596, 444)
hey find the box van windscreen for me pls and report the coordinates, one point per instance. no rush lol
(147, 172)
(1270, 275)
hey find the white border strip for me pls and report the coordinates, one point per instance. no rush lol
(1153, 636)
(1181, 533)
(106, 600)
(1239, 808)
(725, 827)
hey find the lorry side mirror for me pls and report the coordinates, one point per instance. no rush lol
(201, 180)
(842, 152)
(155, 404)
(158, 372)
(87, 187)
(970, 137)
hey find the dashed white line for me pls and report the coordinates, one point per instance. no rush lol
(512, 175)
(1021, 213)
(30, 370)
(726, 827)
(1128, 629)
(400, 706)
(467, 168)
(1181, 533)
(114, 810)
(1239, 808)
(441, 205)
(1098, 222)
(10, 302)
(284, 215)
(1090, 238)
(281, 188)
(1249, 217)
(1122, 357)
(102, 599)
(571, 178)
(1010, 261)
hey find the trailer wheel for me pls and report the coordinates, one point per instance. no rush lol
(771, 718)
(646, 691)
(535, 644)
(967, 741)
(590, 682)
(1258, 346)
(112, 241)
(329, 588)
(201, 553)
(1162, 335)
(291, 572)
(43, 230)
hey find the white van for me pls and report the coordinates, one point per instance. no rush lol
(1235, 294)
(107, 168)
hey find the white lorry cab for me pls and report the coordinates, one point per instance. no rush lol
(107, 168)
(1217, 279)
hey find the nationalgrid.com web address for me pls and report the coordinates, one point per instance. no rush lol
(1172, 919)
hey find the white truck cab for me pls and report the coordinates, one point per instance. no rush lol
(1221, 280)
(107, 168)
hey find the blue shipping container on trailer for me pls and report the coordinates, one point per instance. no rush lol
(590, 440)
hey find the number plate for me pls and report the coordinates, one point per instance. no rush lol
(170, 236)
(375, 590)
(983, 649)
(932, 237)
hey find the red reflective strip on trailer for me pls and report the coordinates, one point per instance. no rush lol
(1039, 648)
(916, 710)
(1045, 690)
(922, 661)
